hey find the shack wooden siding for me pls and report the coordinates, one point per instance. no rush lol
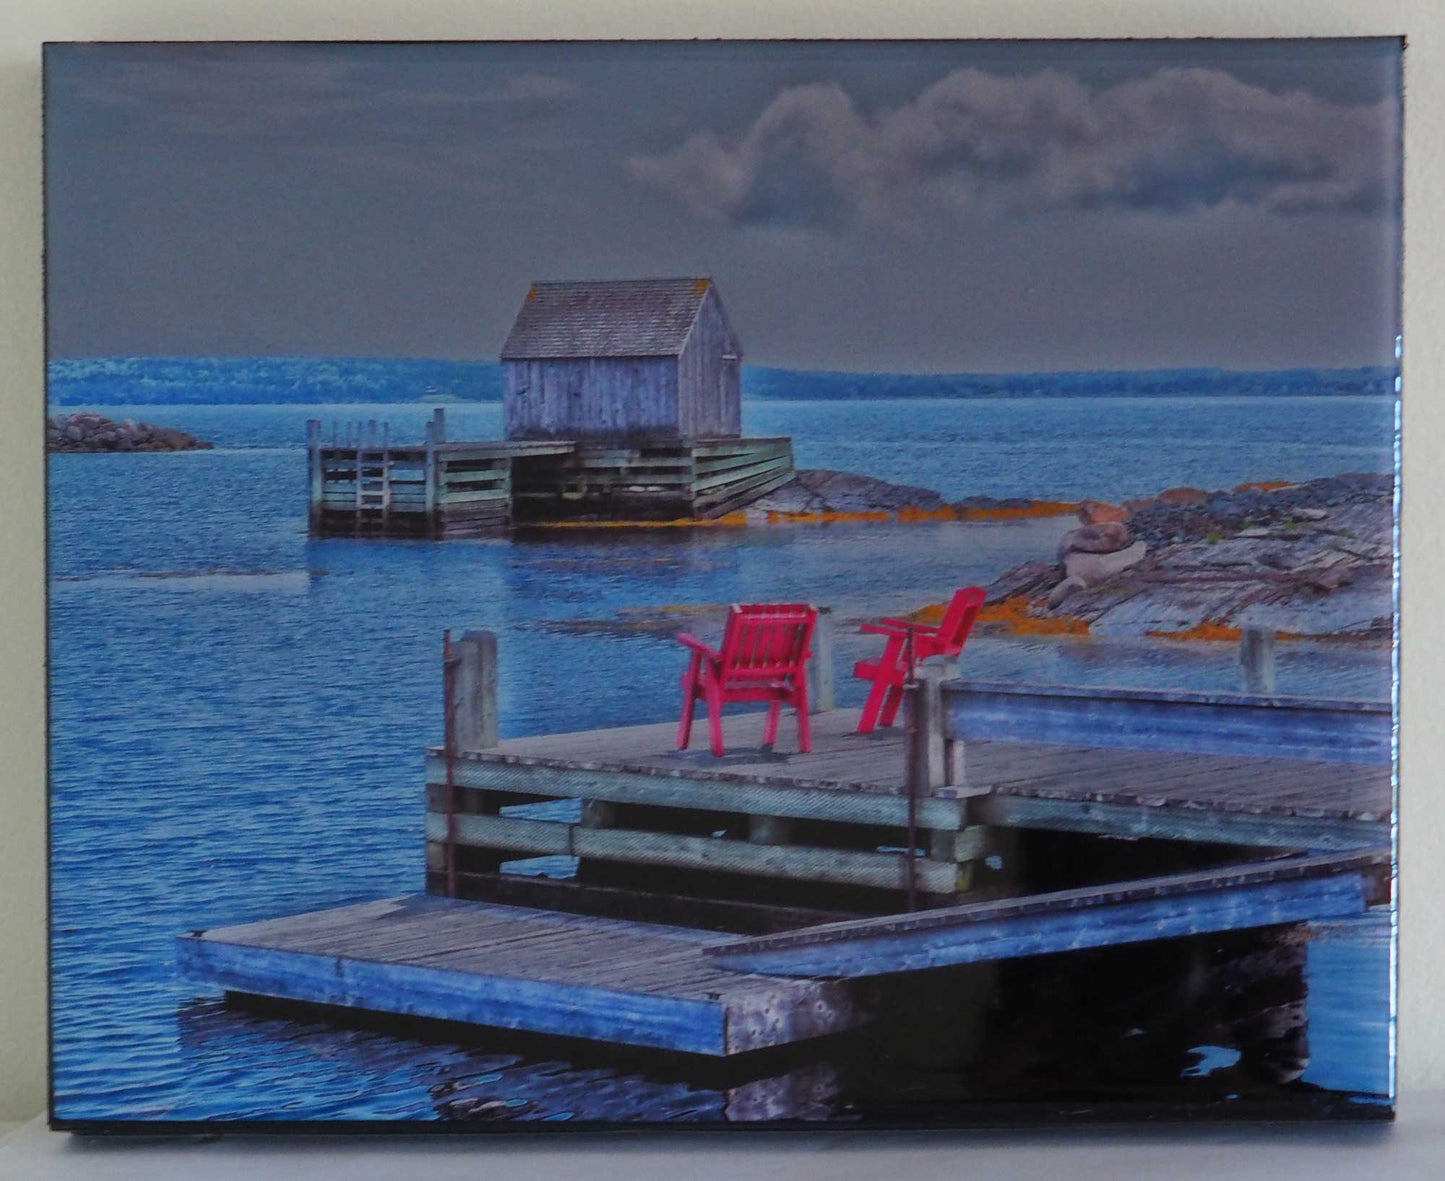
(709, 393)
(595, 397)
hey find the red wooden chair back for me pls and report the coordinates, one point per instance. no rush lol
(766, 640)
(959, 619)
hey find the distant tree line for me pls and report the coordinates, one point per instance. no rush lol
(310, 380)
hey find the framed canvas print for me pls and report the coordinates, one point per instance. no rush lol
(721, 584)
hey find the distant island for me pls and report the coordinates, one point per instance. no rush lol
(350, 380)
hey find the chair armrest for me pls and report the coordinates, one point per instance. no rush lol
(897, 627)
(912, 625)
(698, 646)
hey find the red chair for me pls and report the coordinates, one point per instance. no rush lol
(764, 650)
(908, 643)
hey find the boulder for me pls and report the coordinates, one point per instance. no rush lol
(1183, 495)
(1091, 569)
(88, 431)
(1107, 538)
(1065, 589)
(1098, 512)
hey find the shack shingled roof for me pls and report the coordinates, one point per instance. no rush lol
(608, 318)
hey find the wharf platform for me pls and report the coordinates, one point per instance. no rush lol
(724, 905)
(361, 483)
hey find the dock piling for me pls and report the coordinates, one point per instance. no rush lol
(475, 697)
(821, 693)
(314, 480)
(1256, 660)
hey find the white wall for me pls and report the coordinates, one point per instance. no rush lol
(24, 24)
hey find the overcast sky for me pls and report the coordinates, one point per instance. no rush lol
(985, 206)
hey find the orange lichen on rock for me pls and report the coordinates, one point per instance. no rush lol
(1264, 486)
(1037, 508)
(1017, 616)
(776, 517)
(1184, 494)
(1214, 629)
(725, 521)
(1206, 629)
(946, 513)
(1099, 512)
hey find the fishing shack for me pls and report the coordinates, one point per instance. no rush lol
(633, 358)
(622, 402)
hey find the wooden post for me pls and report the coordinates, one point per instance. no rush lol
(475, 696)
(925, 762)
(429, 472)
(820, 664)
(439, 424)
(1256, 660)
(314, 473)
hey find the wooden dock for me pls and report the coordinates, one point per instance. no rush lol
(363, 484)
(513, 968)
(832, 827)
(603, 884)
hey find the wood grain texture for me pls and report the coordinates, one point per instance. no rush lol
(1192, 723)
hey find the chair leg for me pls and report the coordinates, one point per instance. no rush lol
(770, 731)
(714, 716)
(872, 707)
(805, 723)
(689, 704)
(890, 708)
(892, 655)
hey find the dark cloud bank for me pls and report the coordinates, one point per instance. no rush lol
(980, 144)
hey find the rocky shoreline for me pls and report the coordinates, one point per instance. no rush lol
(817, 494)
(88, 431)
(1313, 559)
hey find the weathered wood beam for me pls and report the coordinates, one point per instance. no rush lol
(717, 793)
(1198, 723)
(1229, 898)
(887, 871)
(1212, 825)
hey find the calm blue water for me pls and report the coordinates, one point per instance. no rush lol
(223, 688)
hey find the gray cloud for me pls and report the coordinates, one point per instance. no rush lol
(229, 91)
(979, 143)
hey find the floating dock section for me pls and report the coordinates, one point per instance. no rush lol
(724, 905)
(363, 484)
